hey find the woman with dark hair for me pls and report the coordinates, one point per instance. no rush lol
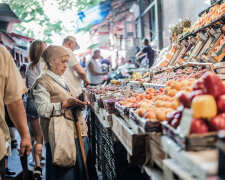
(33, 71)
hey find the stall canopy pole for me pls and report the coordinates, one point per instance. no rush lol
(158, 20)
(141, 25)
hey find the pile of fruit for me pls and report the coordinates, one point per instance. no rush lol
(214, 13)
(185, 73)
(207, 101)
(222, 41)
(166, 102)
(138, 98)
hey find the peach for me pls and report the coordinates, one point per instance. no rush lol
(175, 104)
(159, 103)
(172, 92)
(170, 82)
(188, 89)
(150, 115)
(160, 114)
(141, 112)
(167, 89)
(167, 105)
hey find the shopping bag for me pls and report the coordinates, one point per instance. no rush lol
(26, 174)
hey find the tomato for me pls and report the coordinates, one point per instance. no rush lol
(199, 126)
(218, 122)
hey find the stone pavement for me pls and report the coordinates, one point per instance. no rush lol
(14, 160)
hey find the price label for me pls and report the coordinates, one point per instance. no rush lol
(185, 123)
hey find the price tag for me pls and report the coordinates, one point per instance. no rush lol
(185, 123)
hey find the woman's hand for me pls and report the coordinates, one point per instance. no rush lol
(73, 102)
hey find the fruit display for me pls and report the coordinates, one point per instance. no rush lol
(164, 103)
(186, 73)
(138, 98)
(213, 14)
(218, 52)
(207, 103)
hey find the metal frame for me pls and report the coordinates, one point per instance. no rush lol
(158, 19)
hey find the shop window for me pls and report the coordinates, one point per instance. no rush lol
(149, 21)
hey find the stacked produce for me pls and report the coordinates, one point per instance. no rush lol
(207, 101)
(186, 73)
(145, 97)
(182, 28)
(159, 106)
(214, 13)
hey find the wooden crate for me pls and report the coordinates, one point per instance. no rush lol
(154, 151)
(201, 164)
(134, 143)
(172, 170)
(191, 142)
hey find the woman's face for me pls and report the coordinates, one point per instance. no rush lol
(59, 65)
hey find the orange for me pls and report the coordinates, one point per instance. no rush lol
(150, 115)
(158, 97)
(152, 90)
(175, 104)
(188, 89)
(148, 96)
(159, 103)
(177, 86)
(141, 112)
(160, 114)
(167, 89)
(167, 105)
(142, 96)
(170, 82)
(172, 92)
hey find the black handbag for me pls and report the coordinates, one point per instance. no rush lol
(26, 174)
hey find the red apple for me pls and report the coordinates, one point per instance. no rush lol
(199, 126)
(221, 104)
(183, 98)
(213, 84)
(199, 85)
(218, 123)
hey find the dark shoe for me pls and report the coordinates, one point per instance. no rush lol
(14, 143)
(37, 173)
(9, 173)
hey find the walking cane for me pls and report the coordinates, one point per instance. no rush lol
(77, 124)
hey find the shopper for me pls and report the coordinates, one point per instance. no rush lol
(54, 97)
(11, 90)
(83, 62)
(74, 73)
(34, 69)
(147, 49)
(94, 71)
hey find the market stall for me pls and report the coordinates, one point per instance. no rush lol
(166, 121)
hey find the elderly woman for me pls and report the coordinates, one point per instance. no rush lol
(54, 99)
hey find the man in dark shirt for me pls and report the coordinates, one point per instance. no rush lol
(148, 51)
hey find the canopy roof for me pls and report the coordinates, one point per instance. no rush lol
(7, 15)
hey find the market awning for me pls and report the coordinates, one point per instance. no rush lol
(7, 15)
(19, 36)
(6, 39)
(92, 16)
